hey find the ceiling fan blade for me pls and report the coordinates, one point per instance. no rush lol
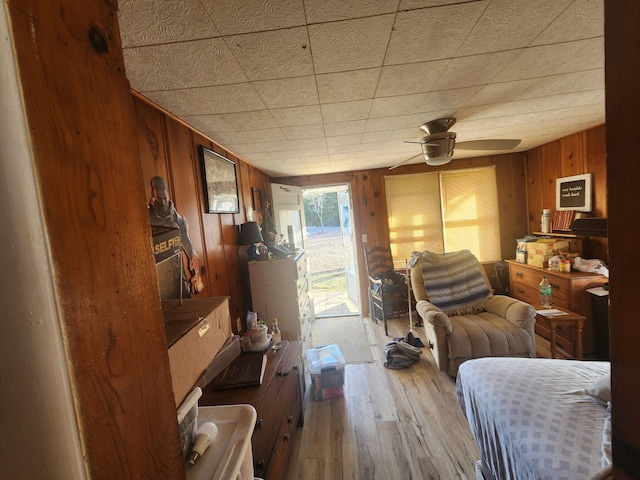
(435, 144)
(492, 144)
(404, 161)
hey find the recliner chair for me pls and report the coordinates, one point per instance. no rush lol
(463, 319)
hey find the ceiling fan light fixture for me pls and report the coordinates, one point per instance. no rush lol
(438, 151)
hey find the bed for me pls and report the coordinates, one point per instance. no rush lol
(533, 418)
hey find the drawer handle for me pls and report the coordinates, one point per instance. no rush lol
(519, 274)
(260, 466)
(282, 373)
(259, 424)
(556, 286)
(286, 437)
(290, 420)
(520, 290)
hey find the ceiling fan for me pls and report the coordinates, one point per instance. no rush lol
(438, 144)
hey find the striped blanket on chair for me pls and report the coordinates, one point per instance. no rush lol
(454, 281)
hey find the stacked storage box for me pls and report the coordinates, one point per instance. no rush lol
(540, 251)
(326, 367)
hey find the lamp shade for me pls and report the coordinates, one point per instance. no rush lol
(250, 234)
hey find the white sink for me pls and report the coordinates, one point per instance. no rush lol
(230, 452)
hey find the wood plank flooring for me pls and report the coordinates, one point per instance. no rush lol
(390, 424)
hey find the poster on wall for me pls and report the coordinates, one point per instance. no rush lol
(574, 193)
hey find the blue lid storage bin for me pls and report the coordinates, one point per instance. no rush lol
(326, 368)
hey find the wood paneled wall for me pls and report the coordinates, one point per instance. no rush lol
(170, 148)
(583, 152)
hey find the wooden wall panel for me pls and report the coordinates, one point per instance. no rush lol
(151, 143)
(79, 109)
(572, 155)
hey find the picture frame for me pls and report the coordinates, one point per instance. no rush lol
(220, 182)
(574, 193)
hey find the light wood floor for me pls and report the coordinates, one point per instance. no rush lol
(390, 424)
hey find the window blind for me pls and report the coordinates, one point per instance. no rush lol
(444, 211)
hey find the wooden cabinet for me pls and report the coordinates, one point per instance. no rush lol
(278, 403)
(569, 292)
(281, 288)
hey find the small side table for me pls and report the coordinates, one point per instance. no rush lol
(569, 318)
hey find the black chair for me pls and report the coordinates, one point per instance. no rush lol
(387, 288)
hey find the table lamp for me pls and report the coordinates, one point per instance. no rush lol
(250, 235)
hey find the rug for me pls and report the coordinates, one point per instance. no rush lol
(348, 333)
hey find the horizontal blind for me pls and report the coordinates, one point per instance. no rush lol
(470, 211)
(414, 215)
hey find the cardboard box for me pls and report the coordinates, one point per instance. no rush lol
(539, 252)
(196, 330)
(326, 368)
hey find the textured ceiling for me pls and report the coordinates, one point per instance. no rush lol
(298, 87)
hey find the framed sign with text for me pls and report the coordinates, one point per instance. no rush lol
(574, 193)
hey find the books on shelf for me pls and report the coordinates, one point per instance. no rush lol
(245, 370)
(563, 219)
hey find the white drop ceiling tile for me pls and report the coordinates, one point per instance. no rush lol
(273, 54)
(319, 11)
(290, 117)
(350, 44)
(582, 19)
(565, 83)
(146, 74)
(267, 147)
(422, 102)
(303, 131)
(256, 136)
(346, 111)
(209, 123)
(338, 140)
(475, 70)
(288, 92)
(410, 78)
(344, 128)
(347, 86)
(538, 61)
(198, 63)
(253, 120)
(506, 24)
(349, 149)
(585, 55)
(401, 122)
(163, 21)
(500, 92)
(431, 33)
(309, 144)
(539, 105)
(245, 16)
(208, 100)
(275, 156)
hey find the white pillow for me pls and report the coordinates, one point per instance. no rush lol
(600, 390)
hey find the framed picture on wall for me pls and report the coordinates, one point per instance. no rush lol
(220, 182)
(574, 193)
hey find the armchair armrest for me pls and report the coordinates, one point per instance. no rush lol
(516, 311)
(432, 314)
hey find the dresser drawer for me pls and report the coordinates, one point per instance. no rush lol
(525, 283)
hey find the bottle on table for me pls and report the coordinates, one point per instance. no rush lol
(276, 336)
(545, 293)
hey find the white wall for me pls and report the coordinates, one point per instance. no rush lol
(39, 432)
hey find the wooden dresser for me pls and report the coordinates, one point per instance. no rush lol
(569, 292)
(281, 288)
(279, 404)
